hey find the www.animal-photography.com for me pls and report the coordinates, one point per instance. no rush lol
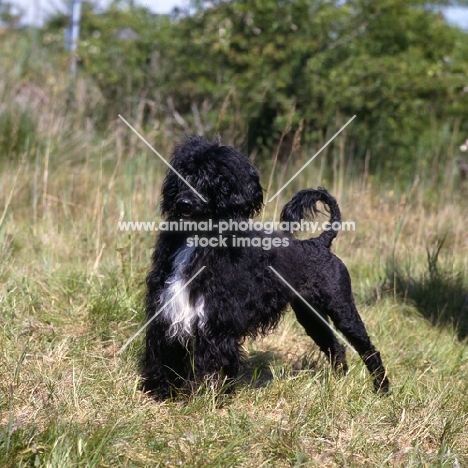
(233, 234)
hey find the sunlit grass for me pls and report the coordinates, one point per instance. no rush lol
(71, 294)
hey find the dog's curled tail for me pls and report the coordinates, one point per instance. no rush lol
(303, 206)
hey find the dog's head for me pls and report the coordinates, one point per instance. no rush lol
(225, 178)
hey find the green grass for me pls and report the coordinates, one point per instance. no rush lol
(71, 401)
(71, 295)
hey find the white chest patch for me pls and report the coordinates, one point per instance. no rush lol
(180, 313)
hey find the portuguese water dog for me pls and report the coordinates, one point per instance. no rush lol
(208, 290)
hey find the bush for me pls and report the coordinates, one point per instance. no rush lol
(258, 71)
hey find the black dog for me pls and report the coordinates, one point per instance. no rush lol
(201, 315)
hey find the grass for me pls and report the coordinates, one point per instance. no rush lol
(71, 294)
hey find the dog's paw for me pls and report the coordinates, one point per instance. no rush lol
(382, 385)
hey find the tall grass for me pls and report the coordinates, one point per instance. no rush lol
(71, 295)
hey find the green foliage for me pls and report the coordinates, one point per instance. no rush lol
(117, 50)
(257, 70)
(395, 64)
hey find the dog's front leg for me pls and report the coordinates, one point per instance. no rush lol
(164, 364)
(216, 358)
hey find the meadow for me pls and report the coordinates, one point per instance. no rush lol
(72, 288)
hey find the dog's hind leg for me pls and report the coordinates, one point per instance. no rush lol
(322, 334)
(347, 320)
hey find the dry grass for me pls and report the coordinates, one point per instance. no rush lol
(71, 295)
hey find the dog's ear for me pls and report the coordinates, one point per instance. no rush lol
(253, 194)
(184, 161)
(236, 189)
(170, 189)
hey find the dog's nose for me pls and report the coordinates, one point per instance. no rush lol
(184, 206)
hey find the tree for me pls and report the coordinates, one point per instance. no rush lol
(118, 49)
(396, 64)
(270, 68)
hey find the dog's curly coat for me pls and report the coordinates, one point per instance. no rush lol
(197, 335)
